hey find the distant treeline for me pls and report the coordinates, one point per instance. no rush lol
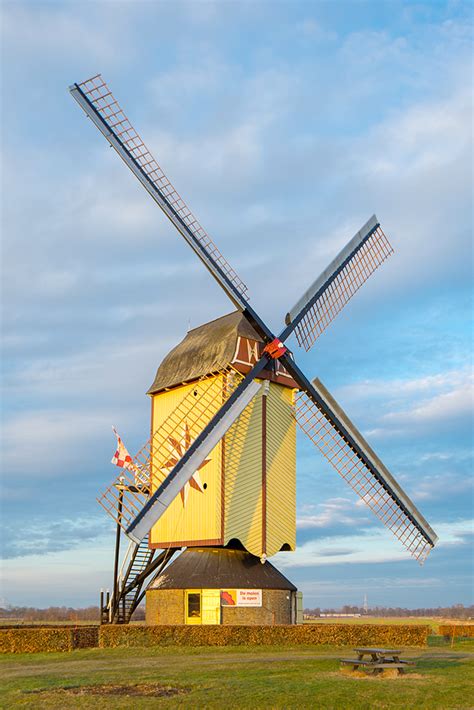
(91, 613)
(457, 611)
(58, 613)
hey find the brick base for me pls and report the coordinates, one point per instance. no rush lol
(167, 606)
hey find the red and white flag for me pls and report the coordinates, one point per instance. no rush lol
(121, 457)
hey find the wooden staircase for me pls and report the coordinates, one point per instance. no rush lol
(139, 564)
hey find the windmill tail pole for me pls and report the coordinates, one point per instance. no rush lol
(117, 552)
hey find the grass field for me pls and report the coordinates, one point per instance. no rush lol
(259, 677)
(430, 621)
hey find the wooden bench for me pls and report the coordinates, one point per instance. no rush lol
(400, 664)
(381, 659)
(355, 662)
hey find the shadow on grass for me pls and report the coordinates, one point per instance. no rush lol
(434, 664)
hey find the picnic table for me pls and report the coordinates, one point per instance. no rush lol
(380, 659)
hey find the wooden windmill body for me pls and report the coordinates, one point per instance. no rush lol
(245, 490)
(218, 472)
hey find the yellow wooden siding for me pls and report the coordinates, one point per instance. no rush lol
(281, 469)
(243, 479)
(200, 518)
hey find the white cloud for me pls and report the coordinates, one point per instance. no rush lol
(45, 444)
(436, 486)
(375, 545)
(71, 578)
(52, 536)
(62, 31)
(371, 585)
(413, 167)
(446, 455)
(101, 372)
(91, 391)
(315, 31)
(335, 511)
(415, 385)
(457, 403)
(411, 404)
(425, 138)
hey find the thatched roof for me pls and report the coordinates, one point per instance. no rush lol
(215, 568)
(205, 349)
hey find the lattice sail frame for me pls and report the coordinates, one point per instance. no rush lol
(131, 488)
(368, 257)
(353, 470)
(98, 93)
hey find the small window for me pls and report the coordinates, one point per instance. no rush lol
(194, 605)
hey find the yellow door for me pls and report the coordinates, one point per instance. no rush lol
(211, 606)
(193, 606)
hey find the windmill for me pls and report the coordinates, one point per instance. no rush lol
(215, 404)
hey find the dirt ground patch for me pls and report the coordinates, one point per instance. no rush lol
(155, 690)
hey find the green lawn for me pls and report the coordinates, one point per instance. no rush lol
(258, 677)
(414, 620)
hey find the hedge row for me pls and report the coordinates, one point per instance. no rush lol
(67, 638)
(457, 630)
(38, 639)
(307, 634)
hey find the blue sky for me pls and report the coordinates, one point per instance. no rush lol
(285, 126)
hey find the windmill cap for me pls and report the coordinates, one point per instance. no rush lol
(208, 348)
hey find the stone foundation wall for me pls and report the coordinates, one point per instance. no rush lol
(166, 606)
(275, 609)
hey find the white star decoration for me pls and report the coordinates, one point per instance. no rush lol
(177, 449)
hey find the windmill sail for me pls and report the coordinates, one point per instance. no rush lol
(328, 295)
(98, 102)
(361, 468)
(193, 458)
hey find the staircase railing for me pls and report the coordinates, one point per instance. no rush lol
(138, 564)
